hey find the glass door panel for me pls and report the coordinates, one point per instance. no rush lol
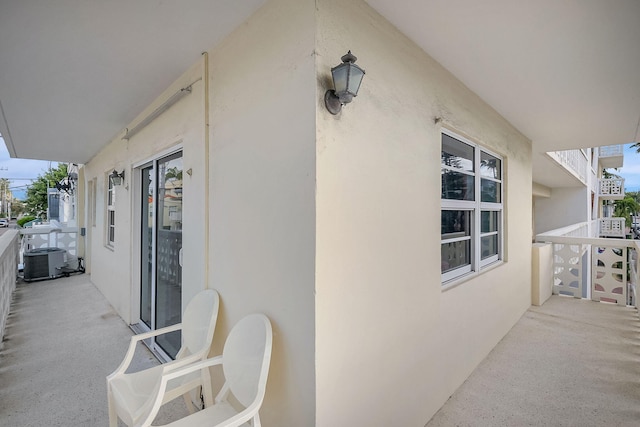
(168, 246)
(160, 247)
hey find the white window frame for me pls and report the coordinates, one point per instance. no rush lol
(476, 207)
(92, 201)
(110, 218)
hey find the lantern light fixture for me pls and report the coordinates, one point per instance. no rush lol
(116, 178)
(346, 82)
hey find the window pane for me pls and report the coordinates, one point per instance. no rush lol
(488, 221)
(456, 154)
(490, 166)
(490, 191)
(455, 224)
(457, 186)
(455, 255)
(489, 246)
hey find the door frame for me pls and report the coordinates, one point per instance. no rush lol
(136, 244)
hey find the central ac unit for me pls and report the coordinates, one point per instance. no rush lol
(43, 263)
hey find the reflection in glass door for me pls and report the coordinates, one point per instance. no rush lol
(161, 243)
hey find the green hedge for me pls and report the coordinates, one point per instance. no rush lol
(22, 221)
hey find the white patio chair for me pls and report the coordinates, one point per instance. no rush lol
(132, 395)
(245, 363)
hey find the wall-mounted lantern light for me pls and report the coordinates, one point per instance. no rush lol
(116, 178)
(346, 82)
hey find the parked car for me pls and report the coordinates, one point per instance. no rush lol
(4, 222)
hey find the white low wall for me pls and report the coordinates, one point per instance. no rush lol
(9, 246)
(541, 273)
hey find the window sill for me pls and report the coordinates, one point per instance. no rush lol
(454, 283)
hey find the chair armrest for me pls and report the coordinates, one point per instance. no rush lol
(132, 347)
(166, 377)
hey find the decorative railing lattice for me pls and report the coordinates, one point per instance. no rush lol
(48, 237)
(609, 274)
(612, 227)
(602, 269)
(611, 188)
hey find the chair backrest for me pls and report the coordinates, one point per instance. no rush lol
(199, 322)
(246, 358)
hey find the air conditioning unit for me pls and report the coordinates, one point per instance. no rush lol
(43, 263)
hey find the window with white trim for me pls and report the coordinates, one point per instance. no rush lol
(471, 207)
(111, 213)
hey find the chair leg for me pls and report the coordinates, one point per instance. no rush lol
(113, 416)
(187, 401)
(207, 390)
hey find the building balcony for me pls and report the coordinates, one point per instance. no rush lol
(573, 162)
(611, 156)
(611, 189)
(611, 227)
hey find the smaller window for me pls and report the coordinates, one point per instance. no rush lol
(111, 213)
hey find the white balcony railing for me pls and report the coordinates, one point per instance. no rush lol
(51, 236)
(585, 266)
(611, 227)
(611, 188)
(611, 151)
(611, 156)
(8, 275)
(574, 161)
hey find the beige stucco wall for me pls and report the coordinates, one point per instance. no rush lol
(262, 194)
(566, 206)
(261, 190)
(391, 346)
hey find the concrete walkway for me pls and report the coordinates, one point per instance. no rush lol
(62, 340)
(568, 363)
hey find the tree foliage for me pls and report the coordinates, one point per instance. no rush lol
(36, 202)
(625, 208)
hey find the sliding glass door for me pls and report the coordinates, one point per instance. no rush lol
(160, 249)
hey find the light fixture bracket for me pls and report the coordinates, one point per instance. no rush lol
(332, 102)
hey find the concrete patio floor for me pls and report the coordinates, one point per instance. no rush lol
(62, 340)
(568, 363)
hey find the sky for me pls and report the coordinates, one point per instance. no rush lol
(20, 172)
(630, 170)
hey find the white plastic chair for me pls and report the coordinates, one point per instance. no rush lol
(245, 363)
(132, 395)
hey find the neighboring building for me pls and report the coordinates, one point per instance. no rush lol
(569, 188)
(389, 245)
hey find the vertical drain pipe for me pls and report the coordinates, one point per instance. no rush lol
(207, 237)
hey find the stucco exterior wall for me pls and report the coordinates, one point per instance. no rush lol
(262, 214)
(391, 345)
(116, 273)
(566, 206)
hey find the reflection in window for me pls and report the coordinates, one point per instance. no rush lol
(471, 207)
